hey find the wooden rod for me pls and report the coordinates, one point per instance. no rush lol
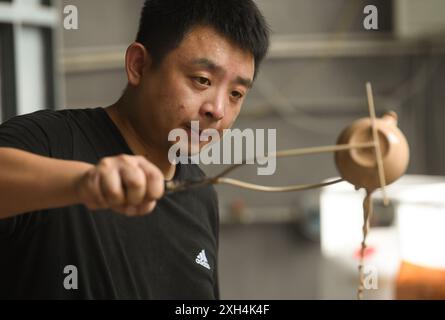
(378, 151)
(312, 150)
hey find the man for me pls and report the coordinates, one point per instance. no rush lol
(76, 186)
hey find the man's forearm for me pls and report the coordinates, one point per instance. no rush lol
(30, 182)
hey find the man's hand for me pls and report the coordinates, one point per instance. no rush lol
(126, 184)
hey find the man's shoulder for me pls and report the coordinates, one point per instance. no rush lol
(51, 115)
(67, 113)
(66, 120)
(49, 132)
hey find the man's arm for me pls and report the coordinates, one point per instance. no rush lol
(30, 182)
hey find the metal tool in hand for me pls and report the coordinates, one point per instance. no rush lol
(179, 185)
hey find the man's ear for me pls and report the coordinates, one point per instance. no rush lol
(137, 59)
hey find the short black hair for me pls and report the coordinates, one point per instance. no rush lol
(164, 23)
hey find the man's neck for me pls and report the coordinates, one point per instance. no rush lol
(136, 142)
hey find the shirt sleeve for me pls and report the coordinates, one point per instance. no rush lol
(43, 132)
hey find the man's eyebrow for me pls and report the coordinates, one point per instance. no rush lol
(206, 63)
(210, 65)
(244, 82)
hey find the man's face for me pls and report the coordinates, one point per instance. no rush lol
(205, 79)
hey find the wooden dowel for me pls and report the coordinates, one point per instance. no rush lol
(312, 150)
(301, 152)
(378, 151)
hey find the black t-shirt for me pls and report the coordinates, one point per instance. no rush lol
(169, 254)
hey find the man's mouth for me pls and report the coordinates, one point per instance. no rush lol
(191, 130)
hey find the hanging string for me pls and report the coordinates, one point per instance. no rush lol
(367, 216)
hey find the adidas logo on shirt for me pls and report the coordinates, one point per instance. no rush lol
(202, 259)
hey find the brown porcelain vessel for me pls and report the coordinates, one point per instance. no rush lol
(359, 166)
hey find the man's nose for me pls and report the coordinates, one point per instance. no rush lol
(213, 109)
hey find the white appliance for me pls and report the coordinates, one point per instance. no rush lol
(412, 228)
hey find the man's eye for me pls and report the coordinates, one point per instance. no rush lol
(203, 81)
(237, 94)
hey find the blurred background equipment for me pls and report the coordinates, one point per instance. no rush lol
(28, 44)
(405, 243)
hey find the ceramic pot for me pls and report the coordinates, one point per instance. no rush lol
(359, 166)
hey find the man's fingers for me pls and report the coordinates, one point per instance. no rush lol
(155, 179)
(102, 201)
(135, 184)
(94, 198)
(146, 207)
(132, 211)
(127, 184)
(111, 186)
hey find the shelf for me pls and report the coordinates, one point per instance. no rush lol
(282, 47)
